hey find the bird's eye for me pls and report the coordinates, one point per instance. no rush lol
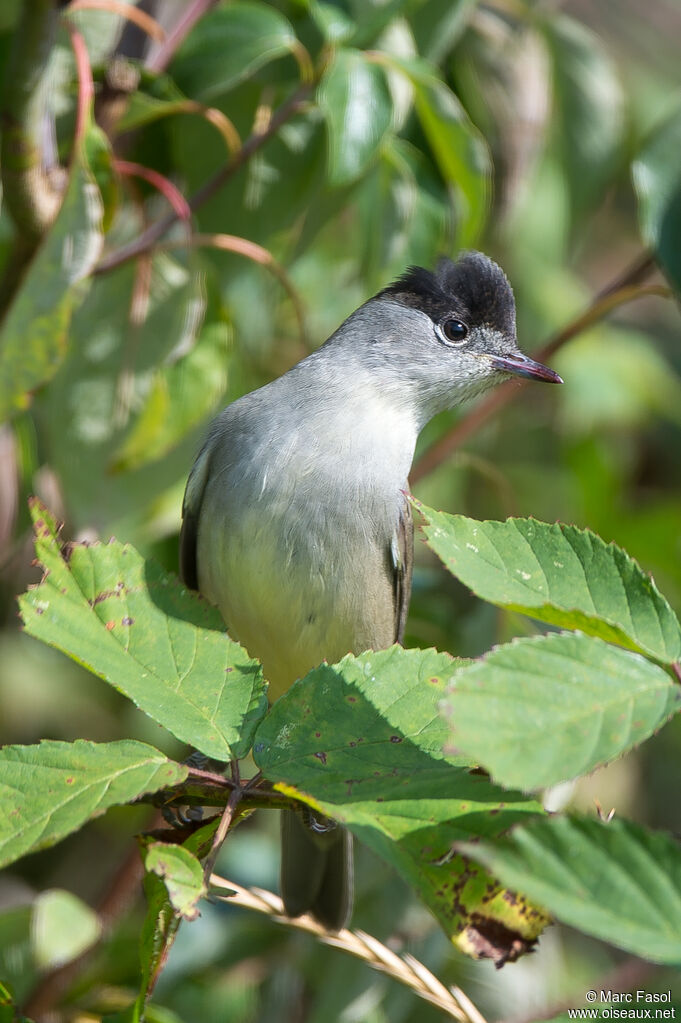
(454, 330)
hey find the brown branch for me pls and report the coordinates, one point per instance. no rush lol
(148, 239)
(624, 288)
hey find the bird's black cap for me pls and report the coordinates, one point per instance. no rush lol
(473, 288)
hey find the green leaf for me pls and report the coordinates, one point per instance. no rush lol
(181, 396)
(63, 927)
(362, 741)
(539, 711)
(657, 180)
(404, 212)
(617, 881)
(438, 24)
(459, 149)
(51, 789)
(227, 45)
(162, 919)
(588, 98)
(333, 23)
(103, 385)
(34, 332)
(134, 625)
(557, 574)
(355, 100)
(181, 873)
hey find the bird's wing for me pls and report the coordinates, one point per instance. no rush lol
(191, 510)
(403, 562)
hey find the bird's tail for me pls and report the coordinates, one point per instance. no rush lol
(316, 868)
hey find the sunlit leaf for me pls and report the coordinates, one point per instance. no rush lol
(181, 873)
(657, 179)
(49, 790)
(356, 103)
(134, 625)
(558, 574)
(538, 711)
(616, 881)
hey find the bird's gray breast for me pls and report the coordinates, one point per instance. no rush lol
(296, 531)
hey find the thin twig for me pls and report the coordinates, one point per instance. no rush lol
(624, 288)
(148, 239)
(404, 968)
(225, 821)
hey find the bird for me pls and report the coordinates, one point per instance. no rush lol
(296, 521)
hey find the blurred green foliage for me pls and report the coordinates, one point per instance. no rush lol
(549, 139)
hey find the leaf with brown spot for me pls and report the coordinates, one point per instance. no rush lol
(170, 653)
(51, 789)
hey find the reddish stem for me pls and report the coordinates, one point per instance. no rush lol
(86, 89)
(160, 182)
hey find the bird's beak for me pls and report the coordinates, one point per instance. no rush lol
(522, 366)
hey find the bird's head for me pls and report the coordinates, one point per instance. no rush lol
(447, 334)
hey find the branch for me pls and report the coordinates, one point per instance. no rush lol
(622, 289)
(148, 239)
(403, 968)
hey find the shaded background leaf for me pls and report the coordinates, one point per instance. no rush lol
(356, 103)
(657, 180)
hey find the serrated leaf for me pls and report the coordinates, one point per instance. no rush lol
(34, 331)
(362, 741)
(51, 789)
(356, 103)
(458, 147)
(560, 575)
(227, 45)
(181, 873)
(138, 628)
(538, 711)
(162, 919)
(589, 103)
(617, 881)
(657, 180)
(62, 928)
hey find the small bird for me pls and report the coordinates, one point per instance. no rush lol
(295, 519)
